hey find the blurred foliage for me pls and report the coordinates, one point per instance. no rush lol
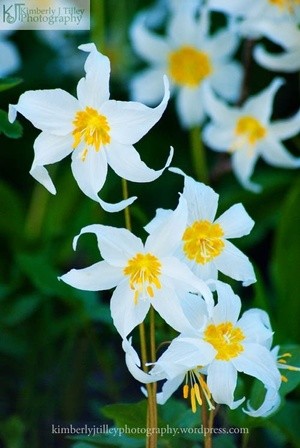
(61, 357)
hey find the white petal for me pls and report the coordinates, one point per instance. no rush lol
(235, 264)
(284, 62)
(129, 121)
(98, 277)
(148, 45)
(257, 361)
(166, 238)
(228, 307)
(202, 200)
(195, 309)
(118, 206)
(284, 129)
(126, 162)
(158, 220)
(274, 153)
(217, 110)
(217, 137)
(50, 148)
(222, 44)
(221, 381)
(235, 222)
(190, 107)
(115, 245)
(52, 111)
(90, 171)
(40, 174)
(286, 35)
(261, 105)
(226, 80)
(256, 327)
(184, 29)
(147, 87)
(270, 404)
(207, 271)
(243, 163)
(9, 59)
(125, 312)
(169, 388)
(93, 90)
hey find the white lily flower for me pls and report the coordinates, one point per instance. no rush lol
(288, 36)
(9, 57)
(143, 275)
(205, 245)
(247, 132)
(190, 57)
(225, 346)
(96, 130)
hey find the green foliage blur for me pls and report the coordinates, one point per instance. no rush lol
(61, 358)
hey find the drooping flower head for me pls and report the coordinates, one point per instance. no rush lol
(96, 130)
(190, 57)
(247, 133)
(143, 274)
(205, 245)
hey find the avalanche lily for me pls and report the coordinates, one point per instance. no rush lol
(190, 57)
(143, 274)
(96, 130)
(221, 348)
(205, 247)
(247, 133)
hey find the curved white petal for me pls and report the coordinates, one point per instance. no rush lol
(40, 174)
(50, 148)
(146, 86)
(125, 312)
(148, 45)
(274, 153)
(51, 111)
(256, 327)
(98, 277)
(226, 80)
(228, 307)
(221, 381)
(169, 388)
(286, 35)
(235, 264)
(115, 245)
(166, 238)
(270, 404)
(235, 222)
(129, 121)
(288, 61)
(243, 163)
(202, 200)
(93, 90)
(284, 129)
(90, 170)
(190, 106)
(126, 162)
(160, 217)
(116, 207)
(218, 111)
(257, 361)
(261, 105)
(9, 58)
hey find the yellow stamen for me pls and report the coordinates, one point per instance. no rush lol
(197, 393)
(226, 339)
(186, 389)
(202, 241)
(193, 400)
(248, 132)
(284, 379)
(189, 66)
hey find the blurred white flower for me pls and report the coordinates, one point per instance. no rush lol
(247, 132)
(205, 245)
(190, 57)
(224, 346)
(9, 56)
(96, 130)
(144, 275)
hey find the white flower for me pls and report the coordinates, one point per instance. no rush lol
(288, 36)
(96, 130)
(224, 346)
(190, 57)
(144, 275)
(247, 132)
(205, 246)
(9, 57)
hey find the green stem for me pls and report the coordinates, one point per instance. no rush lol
(198, 155)
(36, 213)
(98, 23)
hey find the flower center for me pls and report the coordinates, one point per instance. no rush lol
(91, 128)
(226, 339)
(188, 66)
(285, 4)
(202, 241)
(248, 131)
(144, 271)
(196, 388)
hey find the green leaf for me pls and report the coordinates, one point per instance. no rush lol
(11, 130)
(15, 311)
(12, 215)
(287, 420)
(9, 83)
(131, 417)
(286, 262)
(12, 432)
